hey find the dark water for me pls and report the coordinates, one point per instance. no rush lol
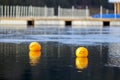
(57, 60)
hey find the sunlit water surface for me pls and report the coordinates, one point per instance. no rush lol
(57, 60)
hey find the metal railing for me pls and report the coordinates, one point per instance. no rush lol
(25, 11)
(64, 12)
(32, 11)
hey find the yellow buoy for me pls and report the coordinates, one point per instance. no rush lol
(34, 57)
(81, 52)
(34, 46)
(81, 63)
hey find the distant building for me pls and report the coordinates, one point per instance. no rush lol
(116, 6)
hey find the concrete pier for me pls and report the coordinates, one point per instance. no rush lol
(25, 16)
(59, 21)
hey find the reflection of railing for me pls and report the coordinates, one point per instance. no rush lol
(32, 11)
(114, 53)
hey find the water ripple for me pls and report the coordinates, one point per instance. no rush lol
(87, 36)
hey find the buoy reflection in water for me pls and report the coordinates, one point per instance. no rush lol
(81, 63)
(34, 57)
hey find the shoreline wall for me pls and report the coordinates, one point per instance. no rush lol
(62, 22)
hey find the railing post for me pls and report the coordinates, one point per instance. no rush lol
(115, 9)
(18, 11)
(73, 8)
(45, 11)
(87, 12)
(30, 11)
(1, 11)
(34, 12)
(5, 11)
(21, 11)
(101, 11)
(37, 9)
(59, 11)
(26, 11)
(11, 11)
(41, 14)
(14, 12)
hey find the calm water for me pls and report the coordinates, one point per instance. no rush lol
(57, 60)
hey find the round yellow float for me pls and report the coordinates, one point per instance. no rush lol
(34, 46)
(81, 52)
(34, 57)
(81, 63)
